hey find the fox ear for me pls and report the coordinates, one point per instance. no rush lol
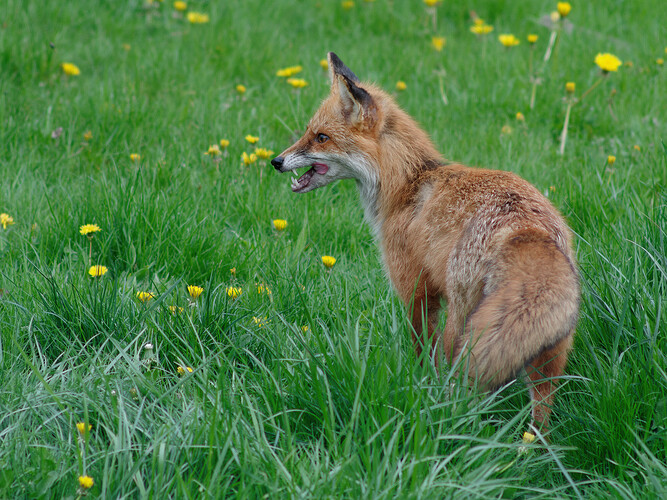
(337, 67)
(358, 105)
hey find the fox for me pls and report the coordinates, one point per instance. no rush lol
(484, 242)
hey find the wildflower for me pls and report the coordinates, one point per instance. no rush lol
(70, 69)
(197, 18)
(224, 143)
(263, 153)
(528, 437)
(481, 29)
(126, 46)
(508, 40)
(611, 159)
(182, 370)
(251, 139)
(636, 147)
(6, 220)
(97, 271)
(607, 62)
(262, 288)
(181, 6)
(175, 309)
(328, 261)
(431, 3)
(438, 42)
(563, 8)
(135, 157)
(240, 89)
(195, 291)
(520, 117)
(89, 229)
(232, 271)
(213, 150)
(660, 61)
(324, 64)
(260, 322)
(279, 224)
(81, 427)
(144, 296)
(88, 135)
(506, 130)
(552, 189)
(400, 85)
(628, 64)
(248, 159)
(289, 71)
(86, 482)
(297, 83)
(554, 16)
(304, 328)
(347, 5)
(532, 39)
(233, 292)
(569, 87)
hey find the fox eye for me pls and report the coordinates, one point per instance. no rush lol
(322, 138)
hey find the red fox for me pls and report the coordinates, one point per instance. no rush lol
(485, 241)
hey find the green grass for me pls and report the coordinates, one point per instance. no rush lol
(343, 409)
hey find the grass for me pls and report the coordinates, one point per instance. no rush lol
(341, 408)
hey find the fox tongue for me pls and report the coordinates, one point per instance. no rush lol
(320, 168)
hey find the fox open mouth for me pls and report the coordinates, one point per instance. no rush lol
(302, 182)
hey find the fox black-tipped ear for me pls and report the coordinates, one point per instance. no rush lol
(358, 105)
(337, 67)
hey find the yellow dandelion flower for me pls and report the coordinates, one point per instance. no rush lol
(660, 61)
(636, 147)
(563, 8)
(481, 29)
(532, 38)
(86, 482)
(81, 427)
(70, 69)
(144, 296)
(520, 117)
(324, 64)
(401, 85)
(135, 157)
(198, 18)
(175, 309)
(263, 153)
(607, 62)
(97, 271)
(528, 437)
(6, 220)
(297, 83)
(251, 139)
(289, 71)
(438, 42)
(570, 87)
(182, 370)
(126, 46)
(611, 159)
(347, 5)
(328, 261)
(240, 89)
(234, 292)
(232, 271)
(195, 291)
(213, 150)
(88, 135)
(87, 229)
(279, 224)
(304, 328)
(260, 322)
(224, 143)
(431, 3)
(248, 159)
(181, 6)
(508, 40)
(478, 21)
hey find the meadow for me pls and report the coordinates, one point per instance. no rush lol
(284, 377)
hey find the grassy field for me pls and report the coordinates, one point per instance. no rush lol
(305, 384)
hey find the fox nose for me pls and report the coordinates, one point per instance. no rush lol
(278, 162)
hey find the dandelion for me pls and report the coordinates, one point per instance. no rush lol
(636, 147)
(431, 3)
(400, 85)
(260, 322)
(213, 150)
(279, 224)
(262, 288)
(183, 370)
(508, 40)
(224, 143)
(251, 139)
(180, 6)
(528, 437)
(89, 229)
(232, 271)
(328, 261)
(234, 292)
(520, 117)
(88, 135)
(554, 16)
(563, 8)
(248, 159)
(506, 130)
(70, 69)
(324, 64)
(570, 87)
(289, 71)
(481, 29)
(195, 291)
(97, 271)
(532, 39)
(438, 42)
(126, 47)
(304, 328)
(86, 482)
(611, 159)
(135, 157)
(607, 62)
(175, 309)
(347, 5)
(198, 18)
(81, 427)
(6, 220)
(144, 296)
(660, 61)
(240, 89)
(263, 153)
(297, 83)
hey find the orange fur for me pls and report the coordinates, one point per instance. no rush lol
(485, 241)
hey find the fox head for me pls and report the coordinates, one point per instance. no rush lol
(341, 138)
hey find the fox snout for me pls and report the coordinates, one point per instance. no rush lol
(277, 162)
